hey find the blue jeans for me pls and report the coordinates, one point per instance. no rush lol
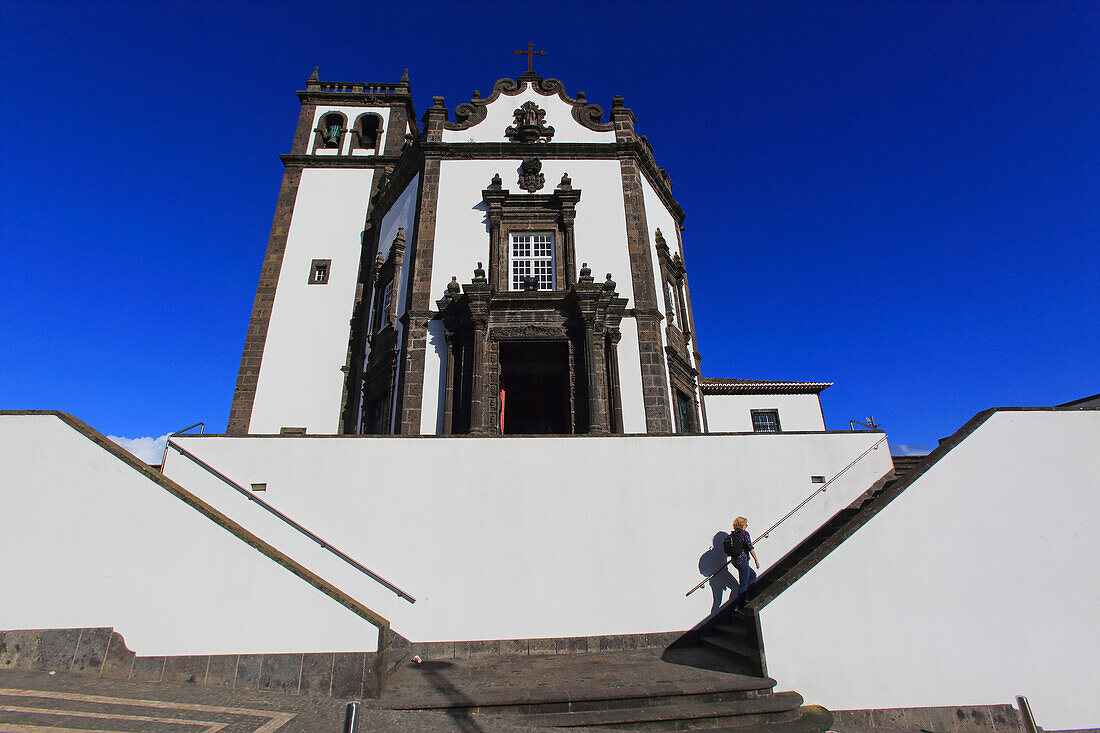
(746, 577)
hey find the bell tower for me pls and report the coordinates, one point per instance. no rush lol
(293, 370)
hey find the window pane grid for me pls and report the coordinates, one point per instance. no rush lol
(533, 254)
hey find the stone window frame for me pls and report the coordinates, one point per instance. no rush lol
(673, 277)
(320, 272)
(357, 133)
(319, 132)
(382, 314)
(521, 213)
(386, 273)
(762, 412)
(692, 426)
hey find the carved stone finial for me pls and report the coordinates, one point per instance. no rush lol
(659, 241)
(405, 77)
(379, 259)
(586, 273)
(314, 76)
(453, 288)
(529, 125)
(496, 184)
(566, 182)
(531, 178)
(479, 274)
(438, 102)
(609, 284)
(581, 97)
(399, 240)
(477, 94)
(617, 102)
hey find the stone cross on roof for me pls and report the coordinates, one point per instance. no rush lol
(530, 53)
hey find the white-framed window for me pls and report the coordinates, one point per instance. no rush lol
(765, 421)
(382, 316)
(532, 254)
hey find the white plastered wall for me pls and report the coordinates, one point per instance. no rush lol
(352, 114)
(91, 542)
(977, 584)
(462, 240)
(732, 413)
(500, 115)
(545, 536)
(300, 382)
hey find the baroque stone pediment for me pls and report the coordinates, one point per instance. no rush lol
(471, 113)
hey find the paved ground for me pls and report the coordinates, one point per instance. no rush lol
(42, 702)
(38, 702)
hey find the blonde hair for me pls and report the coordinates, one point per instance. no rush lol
(740, 523)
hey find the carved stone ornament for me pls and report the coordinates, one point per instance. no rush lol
(530, 125)
(531, 178)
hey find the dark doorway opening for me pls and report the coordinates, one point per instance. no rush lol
(534, 376)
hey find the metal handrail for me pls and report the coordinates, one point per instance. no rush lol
(275, 512)
(789, 514)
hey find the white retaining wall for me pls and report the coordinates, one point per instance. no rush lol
(516, 537)
(88, 541)
(977, 584)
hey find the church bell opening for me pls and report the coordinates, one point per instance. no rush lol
(534, 379)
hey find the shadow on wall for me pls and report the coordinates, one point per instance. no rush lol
(714, 561)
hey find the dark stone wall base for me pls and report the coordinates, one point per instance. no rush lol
(968, 719)
(102, 652)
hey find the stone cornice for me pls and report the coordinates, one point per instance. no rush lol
(338, 161)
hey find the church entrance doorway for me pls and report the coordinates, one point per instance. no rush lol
(534, 377)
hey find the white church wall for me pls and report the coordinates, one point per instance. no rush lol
(307, 336)
(352, 114)
(541, 536)
(732, 413)
(630, 378)
(462, 224)
(500, 115)
(462, 239)
(91, 542)
(978, 583)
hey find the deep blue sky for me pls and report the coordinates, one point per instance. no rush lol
(901, 198)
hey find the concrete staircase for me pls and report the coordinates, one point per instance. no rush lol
(621, 690)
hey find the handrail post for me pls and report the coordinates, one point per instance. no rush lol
(1025, 713)
(351, 717)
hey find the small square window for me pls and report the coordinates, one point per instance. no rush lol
(765, 421)
(318, 273)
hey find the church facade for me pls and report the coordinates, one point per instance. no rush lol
(519, 269)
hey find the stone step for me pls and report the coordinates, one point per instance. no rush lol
(738, 647)
(730, 628)
(680, 714)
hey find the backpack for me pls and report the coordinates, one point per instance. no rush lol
(733, 545)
